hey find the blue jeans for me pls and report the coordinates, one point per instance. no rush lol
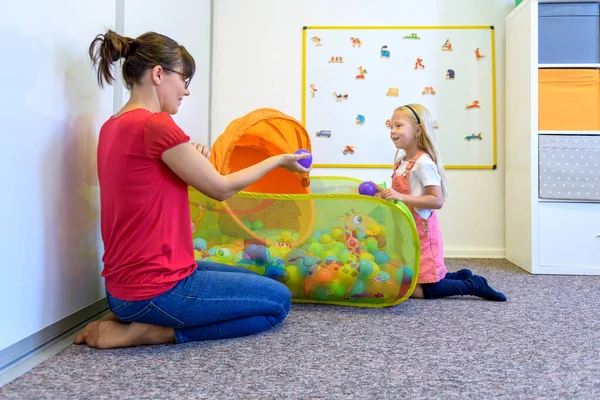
(216, 302)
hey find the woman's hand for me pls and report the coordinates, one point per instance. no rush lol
(203, 149)
(290, 162)
(391, 194)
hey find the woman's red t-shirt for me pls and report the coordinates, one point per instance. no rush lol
(145, 212)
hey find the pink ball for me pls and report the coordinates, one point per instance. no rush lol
(307, 162)
(367, 188)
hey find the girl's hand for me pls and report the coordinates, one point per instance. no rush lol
(391, 194)
(378, 189)
(290, 162)
(203, 149)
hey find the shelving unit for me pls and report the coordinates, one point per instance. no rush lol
(543, 235)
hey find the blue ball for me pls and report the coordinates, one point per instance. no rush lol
(381, 257)
(199, 244)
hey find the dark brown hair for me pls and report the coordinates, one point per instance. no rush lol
(140, 54)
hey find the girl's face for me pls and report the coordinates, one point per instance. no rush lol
(403, 133)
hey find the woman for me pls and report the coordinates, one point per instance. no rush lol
(155, 289)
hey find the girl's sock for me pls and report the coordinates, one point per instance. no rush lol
(460, 275)
(475, 286)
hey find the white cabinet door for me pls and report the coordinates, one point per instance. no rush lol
(569, 235)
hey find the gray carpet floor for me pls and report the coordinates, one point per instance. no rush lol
(544, 342)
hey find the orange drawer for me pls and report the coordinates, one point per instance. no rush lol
(569, 99)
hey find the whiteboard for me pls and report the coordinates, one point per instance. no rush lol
(352, 84)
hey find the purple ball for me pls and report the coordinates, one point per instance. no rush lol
(367, 188)
(307, 162)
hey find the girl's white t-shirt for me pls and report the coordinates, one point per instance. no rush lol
(424, 173)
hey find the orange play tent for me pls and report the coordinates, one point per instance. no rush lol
(256, 136)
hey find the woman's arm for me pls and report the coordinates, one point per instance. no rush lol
(197, 171)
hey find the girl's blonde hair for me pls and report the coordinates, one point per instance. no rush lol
(426, 139)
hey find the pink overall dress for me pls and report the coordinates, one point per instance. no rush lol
(432, 268)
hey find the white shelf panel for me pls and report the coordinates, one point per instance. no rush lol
(567, 201)
(575, 133)
(569, 66)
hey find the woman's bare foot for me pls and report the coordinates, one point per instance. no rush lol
(111, 317)
(112, 334)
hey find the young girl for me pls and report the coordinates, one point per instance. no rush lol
(419, 182)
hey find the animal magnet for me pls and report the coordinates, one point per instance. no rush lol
(473, 105)
(361, 73)
(339, 97)
(473, 137)
(428, 90)
(336, 59)
(355, 42)
(478, 55)
(392, 92)
(450, 74)
(360, 119)
(317, 40)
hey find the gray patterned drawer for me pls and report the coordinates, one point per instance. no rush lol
(569, 167)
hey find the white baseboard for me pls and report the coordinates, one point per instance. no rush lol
(38, 342)
(473, 252)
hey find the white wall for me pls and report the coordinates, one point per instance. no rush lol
(51, 112)
(188, 23)
(257, 63)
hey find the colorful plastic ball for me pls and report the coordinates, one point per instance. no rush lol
(367, 188)
(344, 256)
(357, 290)
(371, 244)
(381, 257)
(325, 238)
(368, 269)
(275, 269)
(337, 233)
(347, 274)
(199, 244)
(257, 225)
(317, 249)
(307, 162)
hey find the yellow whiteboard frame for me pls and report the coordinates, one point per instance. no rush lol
(386, 166)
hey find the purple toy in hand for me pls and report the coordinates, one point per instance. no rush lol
(307, 162)
(367, 188)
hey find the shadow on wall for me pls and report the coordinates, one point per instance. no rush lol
(73, 151)
(50, 187)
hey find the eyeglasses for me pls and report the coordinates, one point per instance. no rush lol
(187, 80)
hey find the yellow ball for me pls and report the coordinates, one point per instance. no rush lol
(337, 233)
(283, 250)
(274, 251)
(367, 256)
(325, 239)
(347, 274)
(286, 237)
(329, 253)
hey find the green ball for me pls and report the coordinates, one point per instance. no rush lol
(344, 256)
(317, 249)
(257, 225)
